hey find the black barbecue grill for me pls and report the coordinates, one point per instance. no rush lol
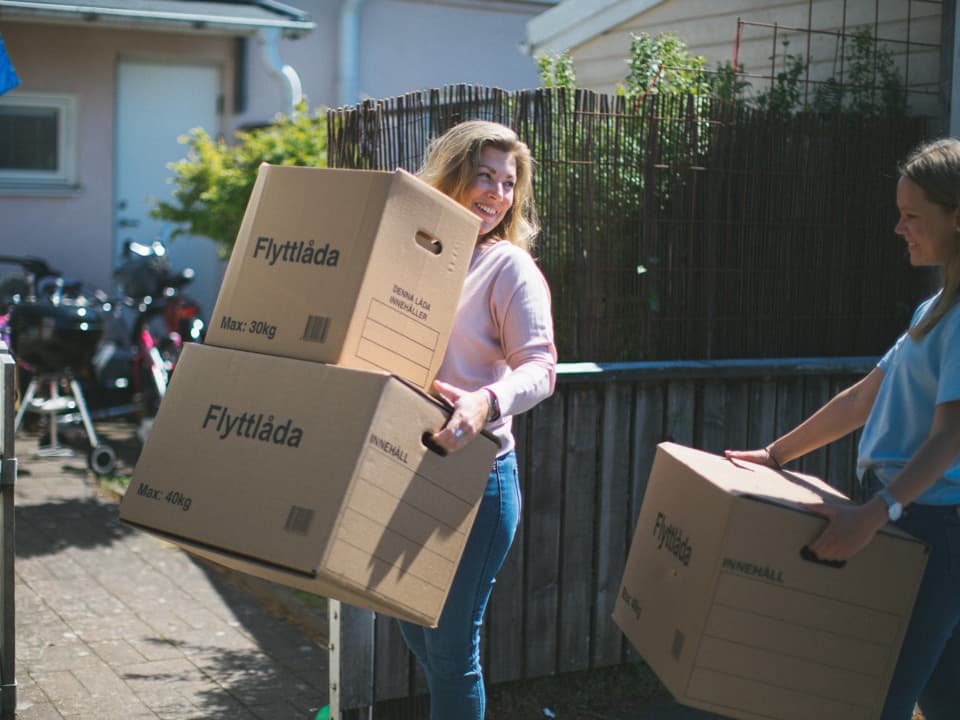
(54, 330)
(55, 337)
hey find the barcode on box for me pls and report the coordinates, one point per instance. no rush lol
(316, 329)
(298, 520)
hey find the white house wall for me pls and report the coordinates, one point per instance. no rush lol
(73, 229)
(709, 29)
(418, 45)
(404, 46)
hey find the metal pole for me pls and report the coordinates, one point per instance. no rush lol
(333, 612)
(351, 660)
(8, 476)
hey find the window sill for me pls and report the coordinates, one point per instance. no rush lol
(40, 190)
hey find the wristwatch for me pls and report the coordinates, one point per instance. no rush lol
(894, 508)
(494, 412)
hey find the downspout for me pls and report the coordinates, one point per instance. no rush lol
(269, 39)
(349, 69)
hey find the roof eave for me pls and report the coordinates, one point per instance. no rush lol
(76, 14)
(574, 22)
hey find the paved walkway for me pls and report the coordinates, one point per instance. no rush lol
(115, 624)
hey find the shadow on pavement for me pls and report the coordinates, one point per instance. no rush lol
(55, 526)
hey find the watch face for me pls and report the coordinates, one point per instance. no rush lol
(894, 508)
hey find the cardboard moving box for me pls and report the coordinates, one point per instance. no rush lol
(359, 268)
(310, 475)
(725, 606)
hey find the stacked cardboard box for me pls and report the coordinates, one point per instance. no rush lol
(352, 267)
(724, 603)
(299, 449)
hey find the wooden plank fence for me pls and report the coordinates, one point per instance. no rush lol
(585, 455)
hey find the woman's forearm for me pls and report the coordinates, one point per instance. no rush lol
(845, 412)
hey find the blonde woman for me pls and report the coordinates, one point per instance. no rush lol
(501, 361)
(909, 454)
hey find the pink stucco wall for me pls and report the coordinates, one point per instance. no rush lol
(72, 230)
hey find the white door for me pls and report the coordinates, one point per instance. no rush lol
(157, 104)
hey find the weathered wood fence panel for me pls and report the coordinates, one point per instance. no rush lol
(585, 455)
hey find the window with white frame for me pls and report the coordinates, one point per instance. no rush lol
(37, 140)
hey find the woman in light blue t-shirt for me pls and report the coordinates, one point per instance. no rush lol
(909, 454)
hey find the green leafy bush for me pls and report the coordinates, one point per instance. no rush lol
(662, 64)
(875, 84)
(556, 71)
(785, 95)
(213, 182)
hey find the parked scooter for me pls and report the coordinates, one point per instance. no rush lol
(148, 322)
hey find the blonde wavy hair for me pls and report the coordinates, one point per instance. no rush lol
(935, 167)
(453, 159)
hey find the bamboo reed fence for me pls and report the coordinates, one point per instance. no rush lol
(678, 227)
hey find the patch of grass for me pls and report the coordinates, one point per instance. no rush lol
(116, 483)
(584, 695)
(315, 601)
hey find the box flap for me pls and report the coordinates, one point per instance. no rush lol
(410, 509)
(826, 635)
(672, 562)
(745, 478)
(411, 287)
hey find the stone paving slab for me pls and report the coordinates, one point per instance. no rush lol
(113, 623)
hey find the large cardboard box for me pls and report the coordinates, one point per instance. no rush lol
(725, 606)
(311, 475)
(359, 268)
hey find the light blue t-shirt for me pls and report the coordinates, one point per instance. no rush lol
(918, 376)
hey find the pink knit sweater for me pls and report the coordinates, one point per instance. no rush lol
(502, 335)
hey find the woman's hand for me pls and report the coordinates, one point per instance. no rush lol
(762, 456)
(850, 529)
(470, 410)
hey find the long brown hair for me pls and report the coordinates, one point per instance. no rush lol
(452, 162)
(935, 168)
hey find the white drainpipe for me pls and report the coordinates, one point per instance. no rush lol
(349, 69)
(269, 39)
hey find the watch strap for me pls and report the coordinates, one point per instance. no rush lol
(894, 508)
(494, 412)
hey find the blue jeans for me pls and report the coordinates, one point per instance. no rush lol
(450, 653)
(928, 669)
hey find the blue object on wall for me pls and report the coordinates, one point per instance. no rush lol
(8, 76)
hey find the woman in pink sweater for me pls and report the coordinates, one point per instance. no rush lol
(500, 361)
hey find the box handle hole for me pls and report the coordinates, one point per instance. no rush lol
(431, 444)
(429, 243)
(807, 554)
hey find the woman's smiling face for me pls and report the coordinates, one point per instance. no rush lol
(490, 195)
(929, 229)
